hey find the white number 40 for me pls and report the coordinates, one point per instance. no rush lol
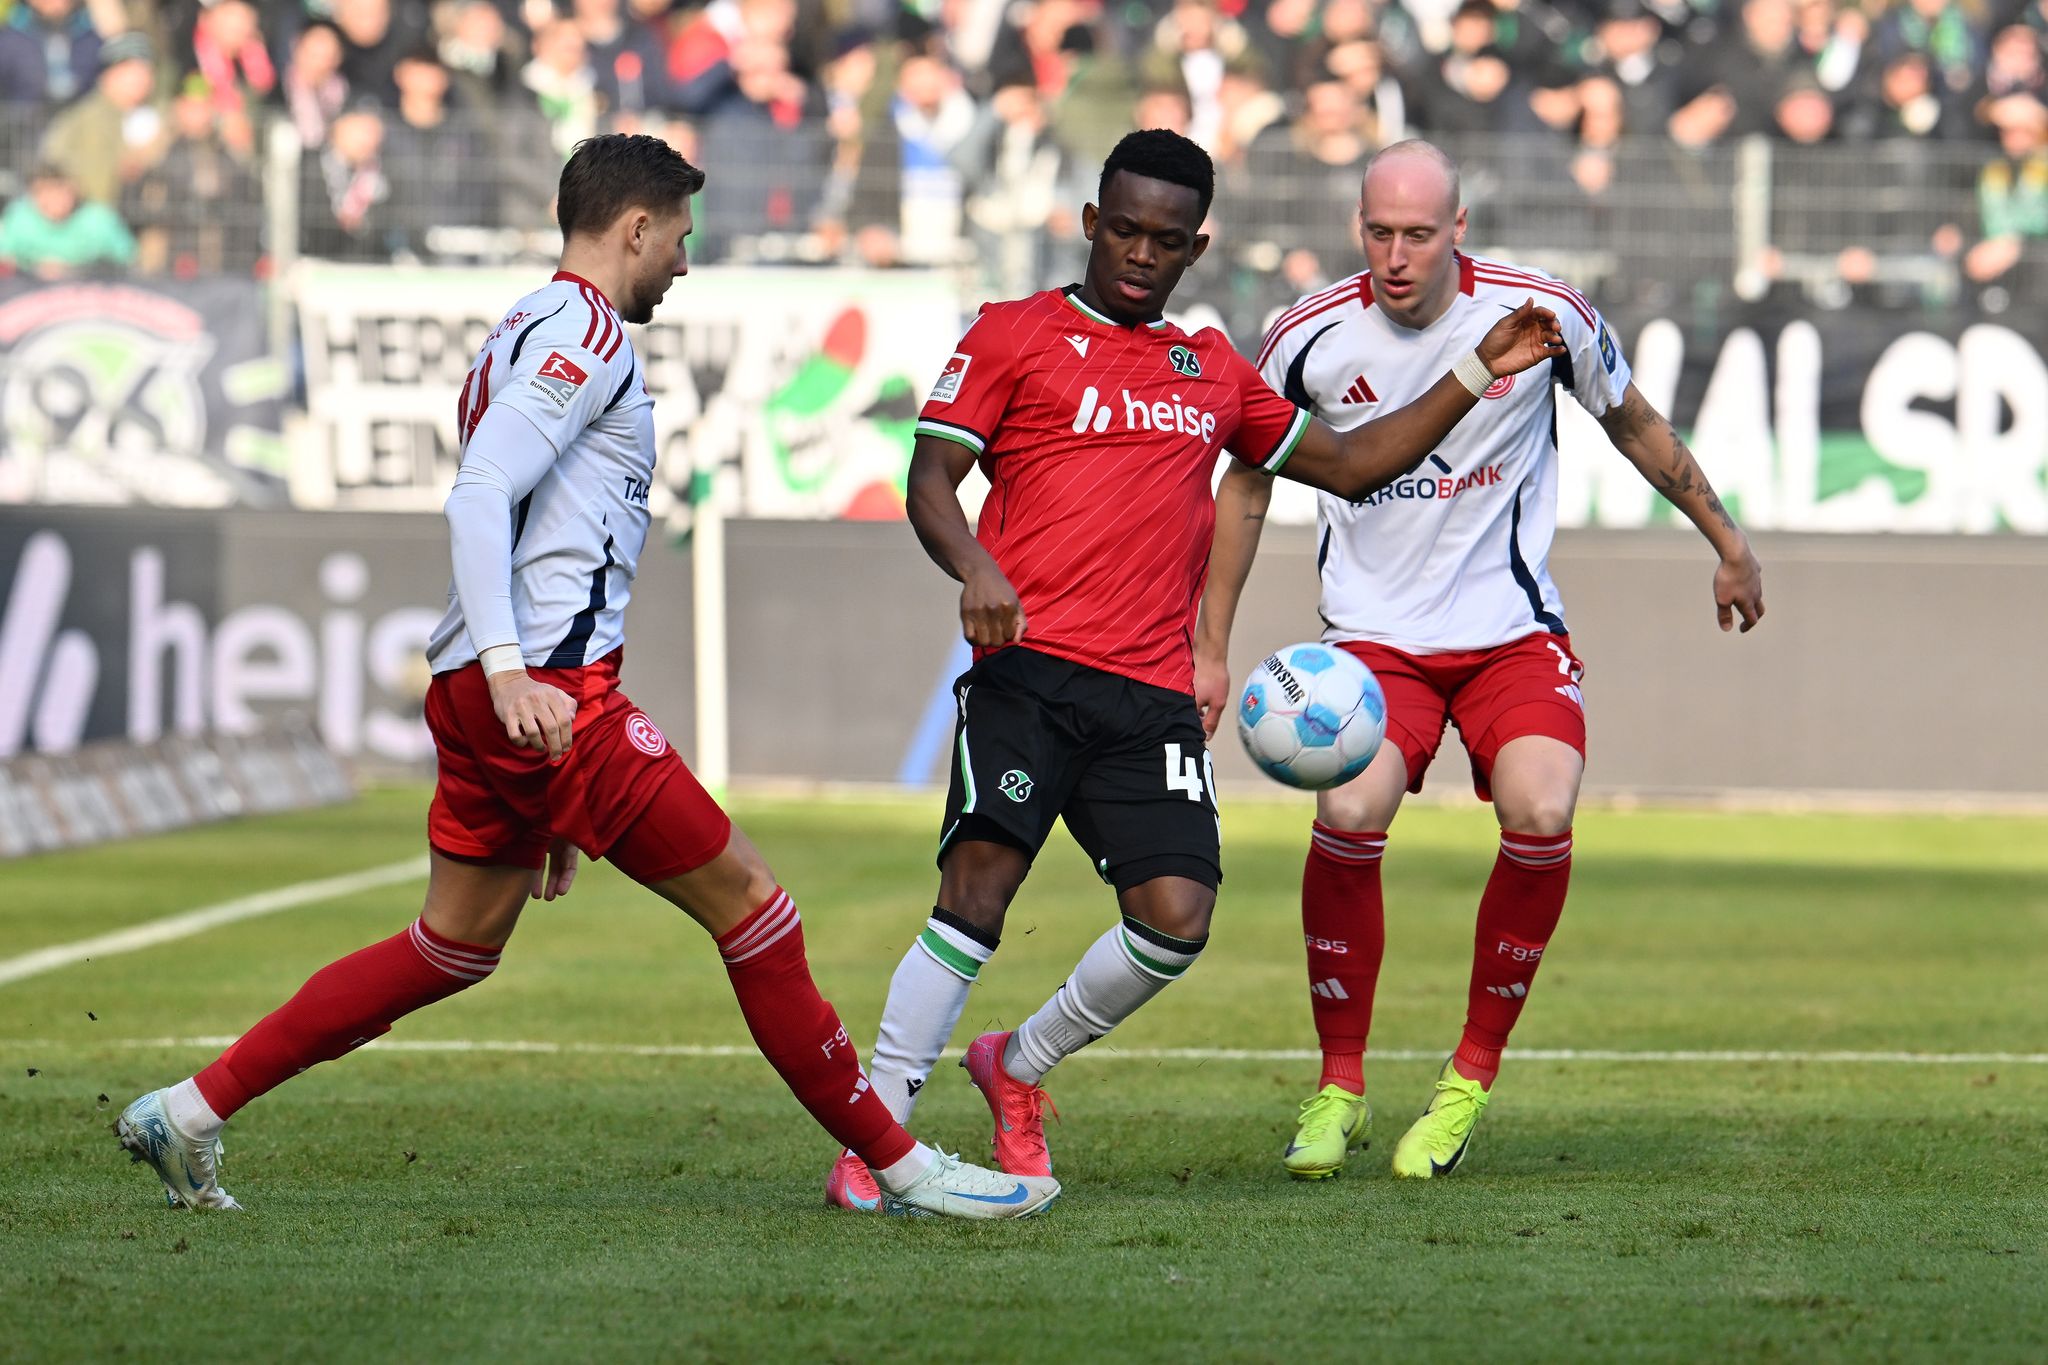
(1188, 777)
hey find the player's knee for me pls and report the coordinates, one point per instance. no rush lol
(1175, 906)
(1369, 801)
(978, 881)
(1537, 812)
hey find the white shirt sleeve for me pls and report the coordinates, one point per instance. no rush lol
(560, 389)
(1600, 373)
(506, 457)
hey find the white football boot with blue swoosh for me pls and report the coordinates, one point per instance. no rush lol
(954, 1189)
(190, 1169)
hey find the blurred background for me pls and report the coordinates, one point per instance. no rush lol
(247, 252)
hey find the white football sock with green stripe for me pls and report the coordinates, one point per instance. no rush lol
(1120, 971)
(925, 999)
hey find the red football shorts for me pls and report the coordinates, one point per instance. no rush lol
(619, 790)
(1527, 687)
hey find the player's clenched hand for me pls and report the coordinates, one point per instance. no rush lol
(1739, 590)
(1524, 337)
(1212, 691)
(990, 613)
(559, 874)
(535, 714)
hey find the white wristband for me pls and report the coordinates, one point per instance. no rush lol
(1473, 374)
(501, 659)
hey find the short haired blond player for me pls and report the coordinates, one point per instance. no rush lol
(539, 752)
(1440, 584)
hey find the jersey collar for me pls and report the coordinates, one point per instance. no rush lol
(1072, 294)
(574, 278)
(1465, 278)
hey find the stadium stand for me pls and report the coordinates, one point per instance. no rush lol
(1894, 153)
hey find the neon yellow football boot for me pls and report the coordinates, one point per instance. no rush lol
(1438, 1141)
(1333, 1122)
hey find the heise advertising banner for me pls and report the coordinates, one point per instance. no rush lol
(136, 625)
(160, 393)
(793, 393)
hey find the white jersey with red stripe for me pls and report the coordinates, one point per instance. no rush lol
(561, 358)
(1454, 555)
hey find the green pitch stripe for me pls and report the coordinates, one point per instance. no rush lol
(1146, 962)
(947, 956)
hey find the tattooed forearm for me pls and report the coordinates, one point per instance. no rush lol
(1684, 477)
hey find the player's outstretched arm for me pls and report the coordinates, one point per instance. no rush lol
(1366, 459)
(1241, 501)
(990, 613)
(1650, 443)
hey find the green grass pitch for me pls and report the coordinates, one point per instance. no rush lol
(598, 1204)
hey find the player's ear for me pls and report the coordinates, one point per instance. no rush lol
(1199, 245)
(1089, 216)
(1458, 227)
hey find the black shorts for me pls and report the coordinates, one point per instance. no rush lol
(1123, 762)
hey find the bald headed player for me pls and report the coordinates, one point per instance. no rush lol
(1099, 425)
(1440, 584)
(540, 754)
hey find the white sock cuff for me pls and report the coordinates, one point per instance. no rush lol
(953, 950)
(902, 1173)
(189, 1112)
(1155, 953)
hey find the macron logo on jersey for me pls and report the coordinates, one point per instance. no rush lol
(1175, 416)
(559, 377)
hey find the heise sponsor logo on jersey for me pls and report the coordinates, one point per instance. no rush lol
(1170, 414)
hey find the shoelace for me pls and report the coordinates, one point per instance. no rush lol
(1325, 1116)
(1035, 1103)
(949, 1164)
(1459, 1095)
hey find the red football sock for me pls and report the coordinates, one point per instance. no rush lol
(801, 1037)
(342, 1006)
(1344, 923)
(1517, 915)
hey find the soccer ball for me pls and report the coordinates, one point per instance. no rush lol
(1311, 716)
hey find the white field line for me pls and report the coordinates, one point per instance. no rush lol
(189, 922)
(1136, 1054)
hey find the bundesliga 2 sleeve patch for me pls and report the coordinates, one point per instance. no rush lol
(950, 379)
(558, 379)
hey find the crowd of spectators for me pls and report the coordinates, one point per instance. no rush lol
(880, 132)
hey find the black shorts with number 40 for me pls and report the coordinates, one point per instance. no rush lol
(1123, 762)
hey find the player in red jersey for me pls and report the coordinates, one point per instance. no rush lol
(1099, 424)
(1441, 586)
(539, 752)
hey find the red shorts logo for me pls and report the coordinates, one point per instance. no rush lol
(559, 366)
(1499, 387)
(643, 735)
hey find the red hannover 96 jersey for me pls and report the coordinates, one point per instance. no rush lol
(1100, 442)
